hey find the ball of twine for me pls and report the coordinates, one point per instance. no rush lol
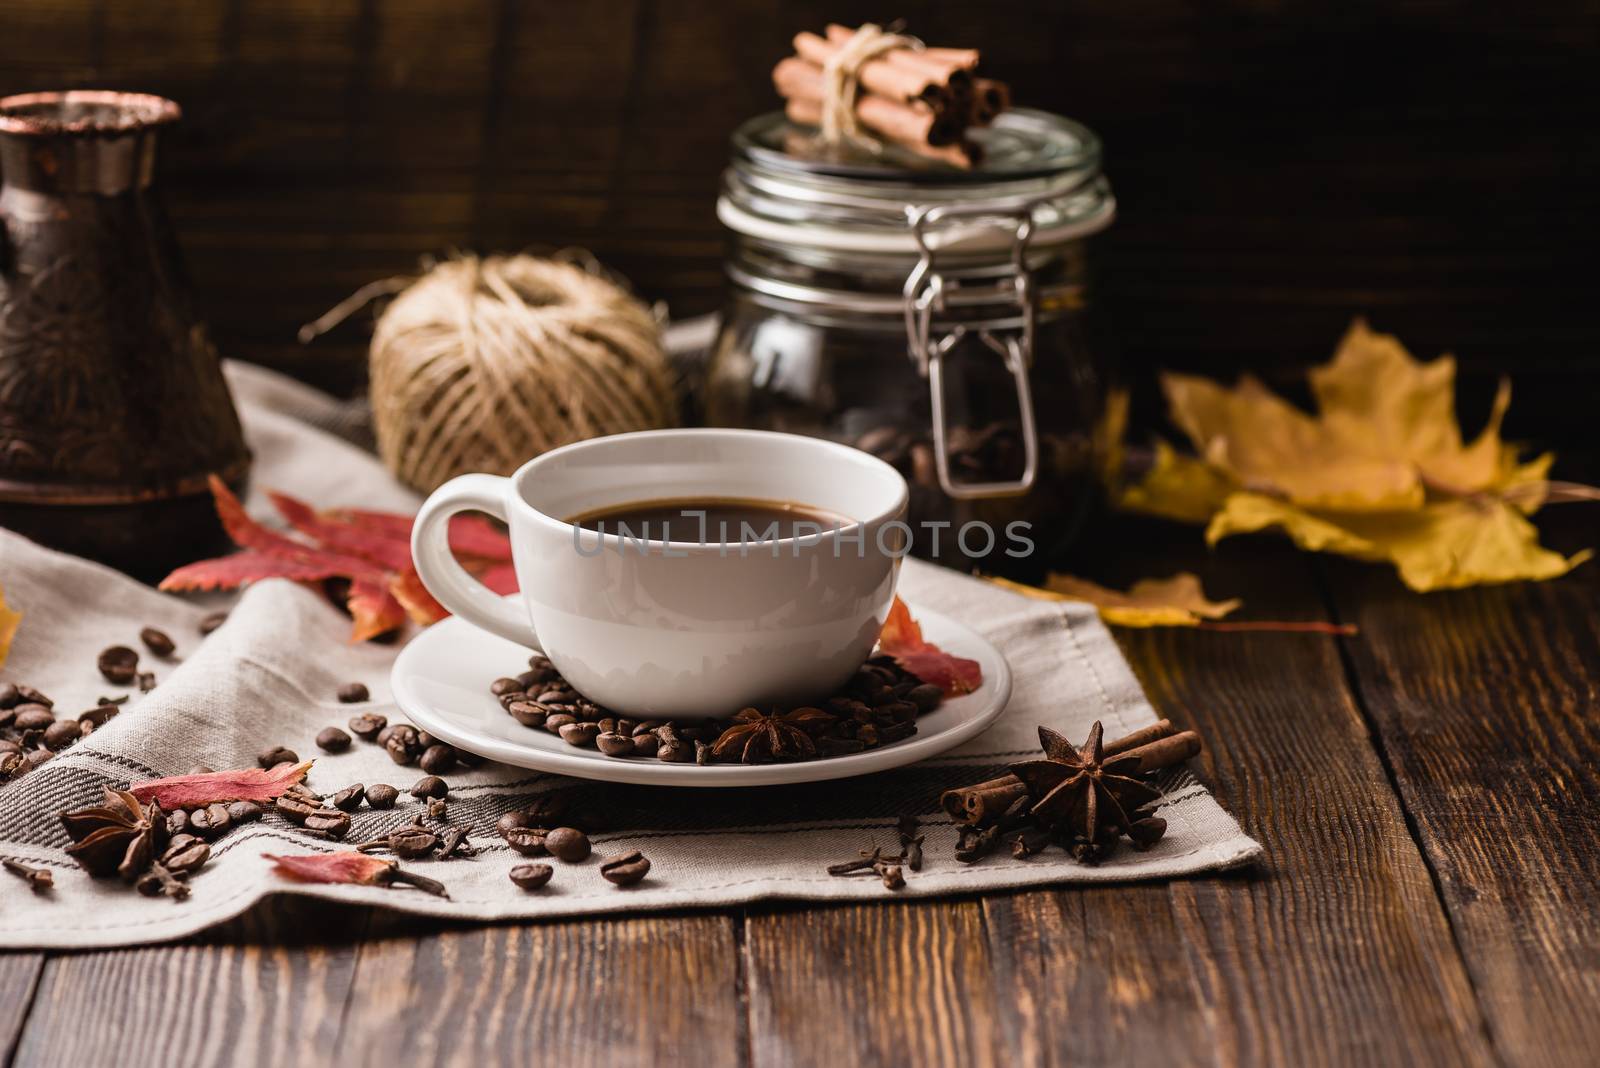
(480, 365)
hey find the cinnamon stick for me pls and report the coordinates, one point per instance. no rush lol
(943, 66)
(891, 80)
(808, 112)
(795, 79)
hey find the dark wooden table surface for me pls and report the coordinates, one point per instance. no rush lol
(1425, 792)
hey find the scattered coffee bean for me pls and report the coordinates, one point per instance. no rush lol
(402, 744)
(501, 687)
(158, 643)
(37, 757)
(529, 841)
(511, 821)
(382, 795)
(62, 733)
(349, 799)
(33, 718)
(430, 786)
(244, 811)
(352, 693)
(278, 754)
(328, 821)
(178, 822)
(568, 844)
(118, 664)
(9, 695)
(556, 720)
(212, 622)
(212, 821)
(366, 725)
(412, 843)
(332, 740)
(625, 869)
(528, 713)
(437, 759)
(612, 744)
(185, 855)
(531, 876)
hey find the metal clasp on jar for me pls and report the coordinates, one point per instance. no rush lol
(1010, 333)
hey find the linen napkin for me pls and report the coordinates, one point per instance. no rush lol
(270, 674)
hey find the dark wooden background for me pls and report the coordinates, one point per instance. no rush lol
(1280, 166)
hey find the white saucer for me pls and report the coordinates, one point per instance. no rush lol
(441, 682)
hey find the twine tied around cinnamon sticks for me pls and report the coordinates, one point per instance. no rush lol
(853, 82)
(841, 77)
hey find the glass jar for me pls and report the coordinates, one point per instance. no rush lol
(937, 318)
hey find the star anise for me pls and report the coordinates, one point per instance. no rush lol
(757, 737)
(120, 837)
(1080, 795)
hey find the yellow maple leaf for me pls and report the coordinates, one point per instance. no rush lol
(10, 618)
(1178, 601)
(1381, 473)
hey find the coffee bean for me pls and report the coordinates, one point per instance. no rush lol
(271, 758)
(531, 876)
(329, 821)
(9, 695)
(676, 752)
(244, 811)
(118, 664)
(37, 757)
(33, 718)
(296, 809)
(212, 821)
(554, 722)
(925, 696)
(349, 799)
(499, 687)
(62, 733)
(437, 759)
(382, 795)
(568, 844)
(402, 746)
(430, 786)
(366, 725)
(511, 821)
(185, 857)
(529, 841)
(614, 745)
(157, 641)
(352, 693)
(333, 740)
(212, 622)
(649, 745)
(625, 869)
(178, 822)
(426, 740)
(579, 734)
(410, 843)
(528, 713)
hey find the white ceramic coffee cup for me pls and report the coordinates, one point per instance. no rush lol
(682, 629)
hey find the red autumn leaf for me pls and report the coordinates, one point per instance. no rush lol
(344, 535)
(243, 784)
(357, 869)
(352, 867)
(902, 639)
(234, 570)
(371, 550)
(407, 588)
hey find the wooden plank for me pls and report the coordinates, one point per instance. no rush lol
(650, 990)
(19, 973)
(1484, 702)
(1334, 950)
(891, 983)
(270, 987)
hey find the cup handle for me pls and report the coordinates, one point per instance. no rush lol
(445, 578)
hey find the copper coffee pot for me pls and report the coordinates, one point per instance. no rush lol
(113, 407)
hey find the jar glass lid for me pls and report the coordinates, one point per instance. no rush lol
(780, 188)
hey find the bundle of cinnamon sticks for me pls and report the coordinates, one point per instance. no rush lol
(922, 99)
